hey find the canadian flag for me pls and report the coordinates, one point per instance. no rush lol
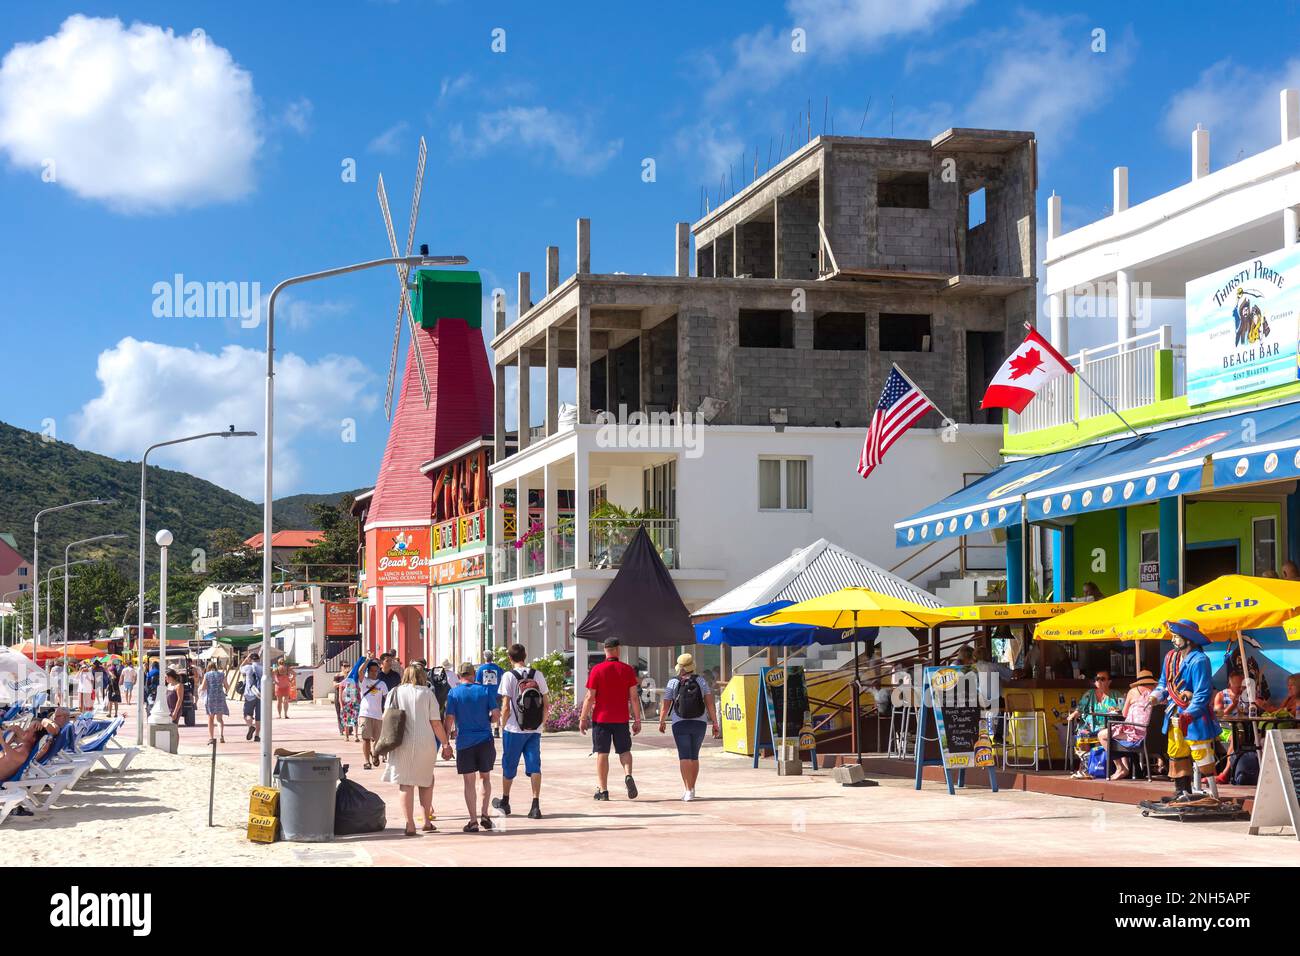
(1024, 374)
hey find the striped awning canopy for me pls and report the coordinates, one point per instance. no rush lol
(820, 568)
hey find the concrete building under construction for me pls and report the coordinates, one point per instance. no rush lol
(803, 289)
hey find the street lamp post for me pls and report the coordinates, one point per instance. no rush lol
(160, 716)
(36, 555)
(267, 440)
(66, 563)
(3, 600)
(144, 461)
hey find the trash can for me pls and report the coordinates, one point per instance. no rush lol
(187, 711)
(307, 787)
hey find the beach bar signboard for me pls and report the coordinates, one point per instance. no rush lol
(403, 556)
(1241, 327)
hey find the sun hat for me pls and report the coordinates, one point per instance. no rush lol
(685, 663)
(1189, 631)
(1144, 679)
(466, 669)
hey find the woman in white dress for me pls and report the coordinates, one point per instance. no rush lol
(410, 766)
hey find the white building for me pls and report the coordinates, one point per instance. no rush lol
(225, 605)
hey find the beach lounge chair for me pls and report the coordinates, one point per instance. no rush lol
(10, 800)
(100, 740)
(37, 787)
(61, 756)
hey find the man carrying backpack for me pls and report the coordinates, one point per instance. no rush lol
(523, 711)
(689, 698)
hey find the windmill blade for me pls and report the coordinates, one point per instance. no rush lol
(403, 306)
(415, 198)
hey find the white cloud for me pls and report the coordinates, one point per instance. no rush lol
(1239, 107)
(301, 314)
(569, 144)
(832, 28)
(138, 118)
(453, 86)
(297, 115)
(151, 392)
(389, 142)
(1044, 77)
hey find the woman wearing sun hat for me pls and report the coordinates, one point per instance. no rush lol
(689, 699)
(1132, 733)
(1186, 687)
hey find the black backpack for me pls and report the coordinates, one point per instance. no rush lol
(689, 699)
(441, 686)
(529, 705)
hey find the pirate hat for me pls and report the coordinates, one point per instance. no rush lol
(1189, 631)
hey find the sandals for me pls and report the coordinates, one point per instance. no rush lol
(366, 767)
(485, 822)
(429, 827)
(1079, 775)
(409, 833)
(470, 827)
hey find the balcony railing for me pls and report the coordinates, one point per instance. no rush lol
(456, 534)
(608, 540)
(1129, 374)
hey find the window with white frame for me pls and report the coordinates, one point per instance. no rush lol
(1263, 545)
(783, 483)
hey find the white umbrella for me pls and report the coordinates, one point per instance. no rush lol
(20, 677)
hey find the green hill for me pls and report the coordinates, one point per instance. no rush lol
(292, 511)
(36, 474)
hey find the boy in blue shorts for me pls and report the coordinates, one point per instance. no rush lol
(523, 701)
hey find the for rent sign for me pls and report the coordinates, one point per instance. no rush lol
(1241, 327)
(403, 556)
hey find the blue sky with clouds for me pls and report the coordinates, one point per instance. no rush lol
(129, 155)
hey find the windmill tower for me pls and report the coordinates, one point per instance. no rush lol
(444, 401)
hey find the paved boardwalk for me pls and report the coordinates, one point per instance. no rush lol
(742, 817)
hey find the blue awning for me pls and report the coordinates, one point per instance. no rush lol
(1259, 445)
(1268, 451)
(740, 629)
(993, 501)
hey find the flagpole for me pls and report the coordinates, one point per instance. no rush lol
(1114, 410)
(948, 419)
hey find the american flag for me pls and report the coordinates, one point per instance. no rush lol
(901, 405)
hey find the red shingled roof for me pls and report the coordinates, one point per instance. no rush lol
(460, 410)
(287, 539)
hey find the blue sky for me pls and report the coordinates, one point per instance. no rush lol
(220, 157)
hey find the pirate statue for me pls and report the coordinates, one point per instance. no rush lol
(1187, 690)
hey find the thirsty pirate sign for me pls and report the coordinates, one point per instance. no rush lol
(1241, 327)
(402, 556)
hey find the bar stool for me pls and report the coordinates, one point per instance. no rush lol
(902, 722)
(1024, 727)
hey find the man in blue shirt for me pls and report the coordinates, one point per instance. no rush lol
(489, 675)
(472, 709)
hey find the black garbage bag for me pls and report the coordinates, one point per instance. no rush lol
(356, 809)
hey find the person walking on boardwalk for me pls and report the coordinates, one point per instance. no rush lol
(471, 712)
(612, 695)
(523, 711)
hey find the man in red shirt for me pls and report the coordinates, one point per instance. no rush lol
(612, 695)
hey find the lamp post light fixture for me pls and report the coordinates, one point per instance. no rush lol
(36, 555)
(267, 440)
(160, 715)
(144, 462)
(66, 564)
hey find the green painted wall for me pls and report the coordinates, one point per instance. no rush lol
(1206, 521)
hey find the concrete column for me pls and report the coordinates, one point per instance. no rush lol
(1124, 304)
(1200, 152)
(683, 250)
(1120, 201)
(1053, 216)
(498, 313)
(525, 293)
(499, 416)
(584, 363)
(643, 368)
(549, 612)
(1290, 225)
(523, 396)
(584, 247)
(549, 519)
(552, 268)
(581, 509)
(1290, 101)
(581, 647)
(552, 380)
(1060, 328)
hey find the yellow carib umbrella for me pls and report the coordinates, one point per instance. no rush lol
(856, 607)
(1223, 609)
(1097, 620)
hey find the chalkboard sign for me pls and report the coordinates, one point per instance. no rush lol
(962, 728)
(951, 698)
(1276, 801)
